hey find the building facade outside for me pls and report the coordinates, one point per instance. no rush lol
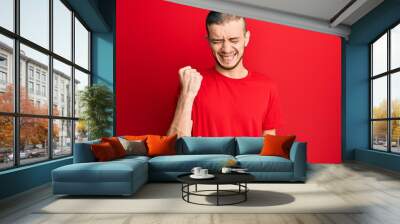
(34, 100)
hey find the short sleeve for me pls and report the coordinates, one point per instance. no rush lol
(272, 119)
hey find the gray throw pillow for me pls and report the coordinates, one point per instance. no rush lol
(134, 147)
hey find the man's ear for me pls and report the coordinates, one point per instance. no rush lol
(246, 38)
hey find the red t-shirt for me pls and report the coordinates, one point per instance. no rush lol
(235, 107)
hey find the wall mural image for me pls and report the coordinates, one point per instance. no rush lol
(195, 72)
(228, 99)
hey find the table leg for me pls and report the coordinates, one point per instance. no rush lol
(188, 190)
(182, 188)
(196, 188)
(217, 194)
(245, 193)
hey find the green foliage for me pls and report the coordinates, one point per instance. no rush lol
(380, 127)
(97, 104)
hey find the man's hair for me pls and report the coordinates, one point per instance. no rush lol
(221, 18)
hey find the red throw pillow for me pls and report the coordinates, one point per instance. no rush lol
(135, 137)
(161, 145)
(277, 145)
(116, 145)
(103, 152)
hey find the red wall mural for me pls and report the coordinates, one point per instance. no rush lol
(155, 38)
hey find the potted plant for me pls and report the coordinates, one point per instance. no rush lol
(96, 102)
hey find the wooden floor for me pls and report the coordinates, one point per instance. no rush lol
(378, 189)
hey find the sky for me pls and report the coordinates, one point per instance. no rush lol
(34, 26)
(395, 45)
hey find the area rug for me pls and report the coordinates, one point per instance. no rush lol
(167, 198)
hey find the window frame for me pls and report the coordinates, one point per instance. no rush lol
(388, 74)
(16, 115)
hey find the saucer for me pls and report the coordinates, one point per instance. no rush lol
(240, 171)
(208, 176)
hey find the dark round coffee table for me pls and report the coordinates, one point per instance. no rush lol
(238, 179)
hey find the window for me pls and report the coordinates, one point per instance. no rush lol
(30, 87)
(3, 78)
(34, 21)
(7, 14)
(62, 137)
(33, 149)
(81, 45)
(40, 62)
(62, 31)
(55, 103)
(38, 89)
(38, 73)
(3, 61)
(81, 81)
(44, 118)
(62, 74)
(395, 47)
(6, 142)
(385, 94)
(44, 91)
(3, 72)
(6, 74)
(30, 72)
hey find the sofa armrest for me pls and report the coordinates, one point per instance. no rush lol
(298, 155)
(83, 152)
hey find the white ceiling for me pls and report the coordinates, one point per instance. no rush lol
(320, 9)
(327, 16)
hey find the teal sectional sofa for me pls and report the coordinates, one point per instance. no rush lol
(125, 176)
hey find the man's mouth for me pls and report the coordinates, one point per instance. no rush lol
(228, 58)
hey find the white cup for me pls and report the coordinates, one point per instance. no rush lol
(226, 170)
(203, 172)
(196, 171)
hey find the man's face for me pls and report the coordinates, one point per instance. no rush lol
(227, 42)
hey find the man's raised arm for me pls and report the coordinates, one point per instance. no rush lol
(190, 80)
(269, 132)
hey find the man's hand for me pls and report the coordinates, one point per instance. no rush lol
(190, 80)
(269, 132)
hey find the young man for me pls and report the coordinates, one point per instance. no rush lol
(227, 100)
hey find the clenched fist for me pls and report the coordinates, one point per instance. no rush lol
(190, 80)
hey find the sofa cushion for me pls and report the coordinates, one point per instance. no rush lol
(133, 158)
(134, 147)
(185, 163)
(249, 145)
(206, 145)
(257, 163)
(135, 137)
(161, 145)
(111, 171)
(116, 145)
(103, 152)
(277, 145)
(83, 152)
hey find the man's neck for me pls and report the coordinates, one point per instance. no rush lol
(237, 73)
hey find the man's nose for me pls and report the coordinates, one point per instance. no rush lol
(226, 47)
